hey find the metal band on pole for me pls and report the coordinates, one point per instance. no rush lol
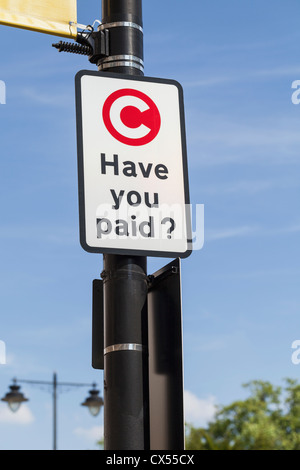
(123, 57)
(118, 24)
(125, 347)
(121, 61)
(111, 65)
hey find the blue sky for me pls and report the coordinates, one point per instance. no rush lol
(236, 62)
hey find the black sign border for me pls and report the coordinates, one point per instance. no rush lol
(80, 166)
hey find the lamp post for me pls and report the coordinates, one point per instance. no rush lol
(15, 398)
(93, 402)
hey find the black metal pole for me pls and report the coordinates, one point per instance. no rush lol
(54, 410)
(124, 20)
(126, 409)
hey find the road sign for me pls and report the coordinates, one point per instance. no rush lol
(166, 408)
(133, 182)
(57, 17)
(165, 352)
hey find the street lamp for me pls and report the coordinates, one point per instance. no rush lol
(93, 402)
(15, 398)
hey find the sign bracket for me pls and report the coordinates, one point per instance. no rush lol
(90, 43)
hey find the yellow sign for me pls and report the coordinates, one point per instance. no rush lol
(57, 17)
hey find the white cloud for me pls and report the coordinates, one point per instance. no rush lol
(61, 235)
(290, 229)
(236, 76)
(229, 233)
(251, 186)
(198, 411)
(244, 231)
(44, 98)
(220, 139)
(92, 435)
(22, 416)
(268, 133)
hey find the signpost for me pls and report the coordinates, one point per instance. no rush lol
(165, 355)
(165, 359)
(133, 184)
(133, 203)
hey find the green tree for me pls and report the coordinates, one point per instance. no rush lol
(269, 419)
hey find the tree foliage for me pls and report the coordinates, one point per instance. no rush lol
(269, 419)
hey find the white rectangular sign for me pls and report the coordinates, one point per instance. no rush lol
(132, 165)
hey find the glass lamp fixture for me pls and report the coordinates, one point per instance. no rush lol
(93, 402)
(14, 397)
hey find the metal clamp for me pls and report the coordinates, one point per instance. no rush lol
(125, 347)
(125, 57)
(121, 61)
(118, 24)
(123, 274)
